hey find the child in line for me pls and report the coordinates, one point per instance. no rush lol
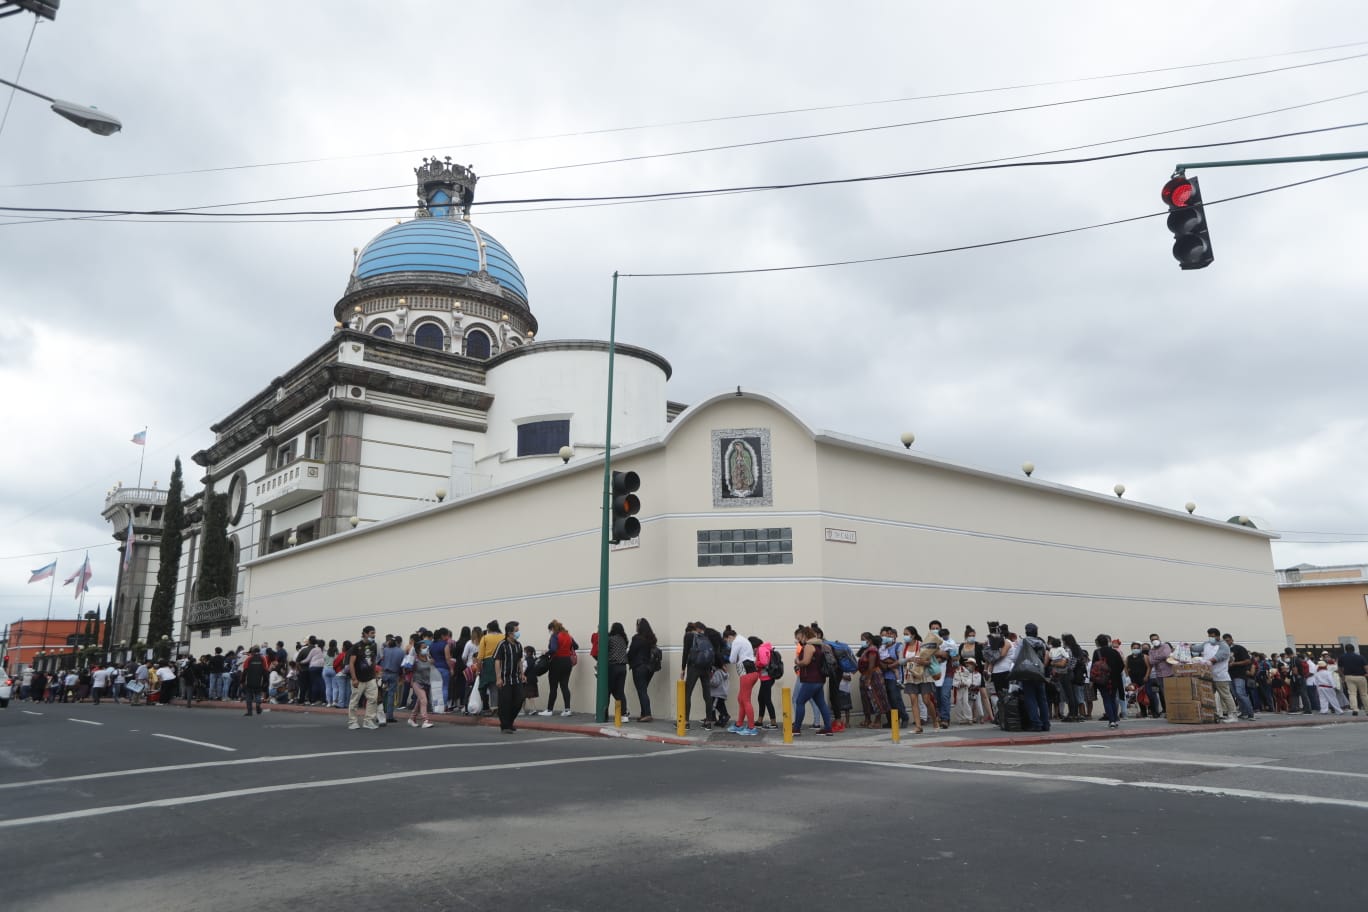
(530, 690)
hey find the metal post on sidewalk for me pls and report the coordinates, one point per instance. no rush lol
(681, 721)
(786, 694)
(601, 697)
(893, 718)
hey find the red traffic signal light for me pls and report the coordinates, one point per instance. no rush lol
(1187, 220)
(625, 505)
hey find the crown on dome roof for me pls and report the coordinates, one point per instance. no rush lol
(444, 190)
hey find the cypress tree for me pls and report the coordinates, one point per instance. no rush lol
(164, 598)
(216, 569)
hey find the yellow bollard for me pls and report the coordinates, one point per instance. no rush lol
(617, 714)
(680, 721)
(786, 695)
(893, 717)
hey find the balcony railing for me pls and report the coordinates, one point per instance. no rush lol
(120, 496)
(300, 481)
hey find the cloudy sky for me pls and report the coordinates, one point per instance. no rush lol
(1239, 387)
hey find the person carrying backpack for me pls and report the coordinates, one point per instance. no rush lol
(771, 664)
(1105, 674)
(643, 657)
(700, 657)
(254, 675)
(810, 680)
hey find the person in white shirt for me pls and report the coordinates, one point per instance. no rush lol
(99, 683)
(743, 660)
(167, 675)
(945, 682)
(1324, 680)
(1217, 654)
(69, 687)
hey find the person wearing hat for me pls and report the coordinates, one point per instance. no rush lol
(1325, 686)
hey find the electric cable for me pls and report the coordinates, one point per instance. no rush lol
(693, 122)
(199, 211)
(979, 246)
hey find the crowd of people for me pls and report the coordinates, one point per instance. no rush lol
(1026, 681)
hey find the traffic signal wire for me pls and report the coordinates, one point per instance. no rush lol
(979, 246)
(702, 121)
(688, 194)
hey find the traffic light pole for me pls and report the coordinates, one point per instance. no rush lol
(601, 701)
(1182, 167)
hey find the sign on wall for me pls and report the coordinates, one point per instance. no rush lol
(741, 475)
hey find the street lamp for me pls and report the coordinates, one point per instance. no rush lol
(93, 119)
(566, 453)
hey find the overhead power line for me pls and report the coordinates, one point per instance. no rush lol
(711, 191)
(979, 246)
(696, 121)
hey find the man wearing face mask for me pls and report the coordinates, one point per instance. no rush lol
(361, 663)
(510, 676)
(945, 684)
(1160, 671)
(1217, 654)
(889, 651)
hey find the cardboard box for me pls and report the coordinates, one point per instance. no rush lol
(1191, 713)
(1189, 690)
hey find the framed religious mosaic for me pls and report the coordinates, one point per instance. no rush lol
(741, 474)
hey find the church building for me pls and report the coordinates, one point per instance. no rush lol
(436, 462)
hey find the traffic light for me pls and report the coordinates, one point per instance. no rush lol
(1187, 221)
(625, 505)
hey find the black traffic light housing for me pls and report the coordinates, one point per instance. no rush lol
(47, 9)
(625, 507)
(1187, 221)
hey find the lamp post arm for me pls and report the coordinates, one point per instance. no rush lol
(15, 85)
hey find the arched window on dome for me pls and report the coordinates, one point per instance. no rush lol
(383, 331)
(477, 344)
(429, 335)
(438, 205)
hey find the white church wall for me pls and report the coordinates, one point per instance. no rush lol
(573, 384)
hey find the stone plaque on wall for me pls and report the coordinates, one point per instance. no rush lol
(741, 475)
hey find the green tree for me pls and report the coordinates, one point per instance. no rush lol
(164, 598)
(216, 557)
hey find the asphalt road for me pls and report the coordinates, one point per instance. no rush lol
(193, 809)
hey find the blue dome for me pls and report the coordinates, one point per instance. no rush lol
(439, 245)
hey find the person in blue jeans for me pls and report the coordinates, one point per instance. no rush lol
(1033, 696)
(810, 683)
(946, 655)
(1109, 688)
(391, 662)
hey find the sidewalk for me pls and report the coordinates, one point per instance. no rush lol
(664, 732)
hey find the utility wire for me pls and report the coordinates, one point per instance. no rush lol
(917, 123)
(979, 246)
(693, 122)
(544, 208)
(22, 60)
(103, 544)
(676, 194)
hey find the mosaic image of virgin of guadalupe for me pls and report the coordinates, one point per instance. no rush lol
(741, 469)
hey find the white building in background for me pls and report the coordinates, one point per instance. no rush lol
(408, 472)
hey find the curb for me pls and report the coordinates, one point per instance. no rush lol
(595, 730)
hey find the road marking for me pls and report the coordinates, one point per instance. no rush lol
(218, 747)
(1206, 763)
(1100, 780)
(210, 764)
(83, 721)
(327, 783)
(30, 713)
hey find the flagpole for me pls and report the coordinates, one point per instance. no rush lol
(51, 590)
(143, 457)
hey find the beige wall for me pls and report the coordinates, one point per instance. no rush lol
(932, 542)
(1323, 614)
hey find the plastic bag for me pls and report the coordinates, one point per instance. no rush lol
(476, 705)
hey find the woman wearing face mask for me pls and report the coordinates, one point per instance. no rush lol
(1160, 670)
(809, 668)
(422, 682)
(873, 695)
(1138, 667)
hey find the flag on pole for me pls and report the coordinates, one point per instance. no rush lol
(128, 545)
(81, 577)
(43, 573)
(140, 438)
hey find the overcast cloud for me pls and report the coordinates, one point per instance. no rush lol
(1239, 387)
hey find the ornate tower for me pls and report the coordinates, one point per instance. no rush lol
(444, 190)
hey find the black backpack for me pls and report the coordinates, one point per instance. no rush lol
(701, 653)
(656, 659)
(775, 667)
(831, 666)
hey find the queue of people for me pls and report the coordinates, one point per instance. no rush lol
(1027, 681)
